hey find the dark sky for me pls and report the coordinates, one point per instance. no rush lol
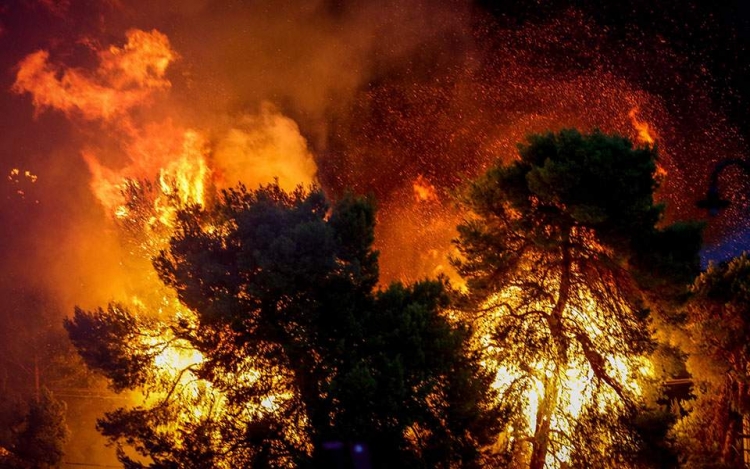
(712, 36)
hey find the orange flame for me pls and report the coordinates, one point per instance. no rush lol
(646, 136)
(179, 163)
(423, 190)
(126, 77)
(645, 133)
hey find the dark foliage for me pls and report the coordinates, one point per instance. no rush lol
(283, 288)
(34, 434)
(718, 327)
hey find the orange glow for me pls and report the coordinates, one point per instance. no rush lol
(260, 148)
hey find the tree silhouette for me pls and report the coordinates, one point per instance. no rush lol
(35, 432)
(290, 348)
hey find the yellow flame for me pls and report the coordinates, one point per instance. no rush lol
(189, 173)
(575, 377)
(178, 357)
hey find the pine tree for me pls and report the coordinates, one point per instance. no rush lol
(565, 266)
(299, 350)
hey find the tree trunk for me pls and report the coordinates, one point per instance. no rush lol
(548, 404)
(544, 414)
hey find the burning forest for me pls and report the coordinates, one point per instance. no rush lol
(355, 235)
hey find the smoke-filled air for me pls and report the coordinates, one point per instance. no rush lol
(223, 224)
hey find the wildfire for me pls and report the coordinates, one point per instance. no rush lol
(169, 166)
(126, 77)
(174, 158)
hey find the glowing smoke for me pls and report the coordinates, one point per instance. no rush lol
(126, 77)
